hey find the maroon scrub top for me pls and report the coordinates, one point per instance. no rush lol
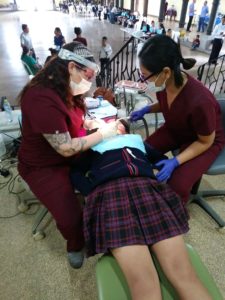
(195, 111)
(43, 111)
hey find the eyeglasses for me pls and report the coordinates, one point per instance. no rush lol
(142, 78)
(89, 73)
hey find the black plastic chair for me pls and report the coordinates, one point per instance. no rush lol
(217, 168)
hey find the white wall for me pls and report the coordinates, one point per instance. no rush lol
(126, 4)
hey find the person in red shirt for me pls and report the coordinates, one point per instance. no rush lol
(79, 38)
(53, 134)
(192, 115)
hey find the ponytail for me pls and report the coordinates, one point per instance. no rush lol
(161, 51)
(188, 63)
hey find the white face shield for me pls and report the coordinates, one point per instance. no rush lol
(79, 58)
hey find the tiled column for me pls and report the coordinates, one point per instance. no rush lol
(121, 3)
(212, 16)
(162, 11)
(53, 3)
(183, 13)
(132, 5)
(145, 10)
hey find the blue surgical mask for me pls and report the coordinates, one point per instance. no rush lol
(153, 88)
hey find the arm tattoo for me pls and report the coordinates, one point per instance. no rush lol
(63, 143)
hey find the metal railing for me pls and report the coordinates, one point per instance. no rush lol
(213, 75)
(122, 66)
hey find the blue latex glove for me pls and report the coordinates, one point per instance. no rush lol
(166, 167)
(139, 114)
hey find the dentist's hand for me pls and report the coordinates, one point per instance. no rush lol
(166, 166)
(139, 114)
(95, 123)
(109, 130)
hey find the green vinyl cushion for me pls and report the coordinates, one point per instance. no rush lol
(112, 285)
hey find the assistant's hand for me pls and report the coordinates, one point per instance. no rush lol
(109, 130)
(166, 167)
(139, 114)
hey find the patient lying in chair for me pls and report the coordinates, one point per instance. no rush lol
(127, 210)
(122, 156)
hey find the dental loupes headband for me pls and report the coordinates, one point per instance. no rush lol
(68, 55)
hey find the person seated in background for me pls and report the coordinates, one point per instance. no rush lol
(30, 61)
(59, 39)
(132, 20)
(145, 27)
(152, 29)
(174, 35)
(122, 16)
(161, 29)
(169, 33)
(127, 211)
(53, 52)
(79, 38)
(196, 42)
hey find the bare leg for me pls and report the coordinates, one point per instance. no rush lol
(139, 270)
(173, 258)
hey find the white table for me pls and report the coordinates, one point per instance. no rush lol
(10, 130)
(5, 125)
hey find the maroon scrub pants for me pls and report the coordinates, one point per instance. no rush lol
(53, 188)
(185, 176)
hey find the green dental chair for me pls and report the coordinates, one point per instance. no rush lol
(111, 283)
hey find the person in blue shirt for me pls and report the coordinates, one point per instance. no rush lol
(59, 39)
(204, 13)
(191, 12)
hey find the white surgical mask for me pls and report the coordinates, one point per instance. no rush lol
(153, 88)
(81, 87)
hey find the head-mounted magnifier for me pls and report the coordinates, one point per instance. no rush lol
(68, 55)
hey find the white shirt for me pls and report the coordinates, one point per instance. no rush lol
(105, 52)
(99, 7)
(220, 28)
(25, 40)
(114, 10)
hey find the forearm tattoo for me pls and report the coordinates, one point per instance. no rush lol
(63, 143)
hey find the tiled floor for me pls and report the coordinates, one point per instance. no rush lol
(32, 270)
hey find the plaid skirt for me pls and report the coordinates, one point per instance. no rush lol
(132, 211)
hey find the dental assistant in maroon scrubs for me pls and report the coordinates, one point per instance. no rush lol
(192, 115)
